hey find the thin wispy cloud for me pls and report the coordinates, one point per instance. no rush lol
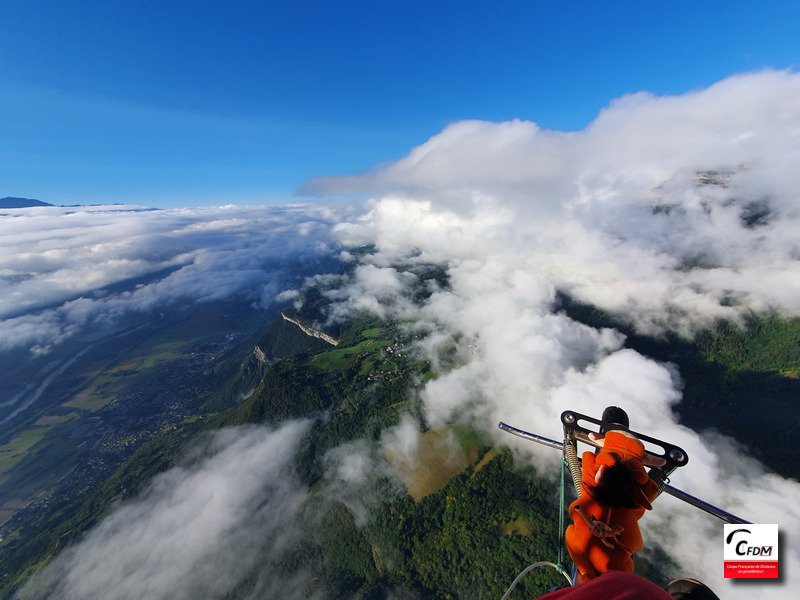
(198, 530)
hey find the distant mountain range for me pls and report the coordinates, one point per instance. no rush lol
(10, 202)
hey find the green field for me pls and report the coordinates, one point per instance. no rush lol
(517, 527)
(38, 456)
(129, 372)
(345, 358)
(19, 446)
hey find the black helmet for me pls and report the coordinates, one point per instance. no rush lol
(614, 418)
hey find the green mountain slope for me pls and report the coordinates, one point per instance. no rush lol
(740, 380)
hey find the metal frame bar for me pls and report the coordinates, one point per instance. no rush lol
(672, 491)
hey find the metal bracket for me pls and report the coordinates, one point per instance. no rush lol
(574, 432)
(675, 456)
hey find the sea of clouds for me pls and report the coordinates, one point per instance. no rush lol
(671, 211)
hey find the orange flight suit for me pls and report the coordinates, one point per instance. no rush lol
(590, 555)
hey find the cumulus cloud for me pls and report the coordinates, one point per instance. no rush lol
(197, 530)
(374, 289)
(620, 212)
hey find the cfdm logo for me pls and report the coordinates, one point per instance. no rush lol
(751, 551)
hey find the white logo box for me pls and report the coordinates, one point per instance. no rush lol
(751, 550)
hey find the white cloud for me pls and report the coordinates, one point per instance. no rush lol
(372, 289)
(611, 212)
(197, 530)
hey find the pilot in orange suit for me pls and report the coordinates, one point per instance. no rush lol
(615, 492)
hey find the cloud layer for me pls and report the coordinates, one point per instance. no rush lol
(64, 269)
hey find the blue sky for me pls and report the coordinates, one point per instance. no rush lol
(174, 103)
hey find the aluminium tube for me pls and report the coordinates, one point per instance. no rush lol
(531, 436)
(703, 505)
(569, 449)
(672, 491)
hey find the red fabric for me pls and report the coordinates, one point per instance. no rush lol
(588, 552)
(611, 586)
